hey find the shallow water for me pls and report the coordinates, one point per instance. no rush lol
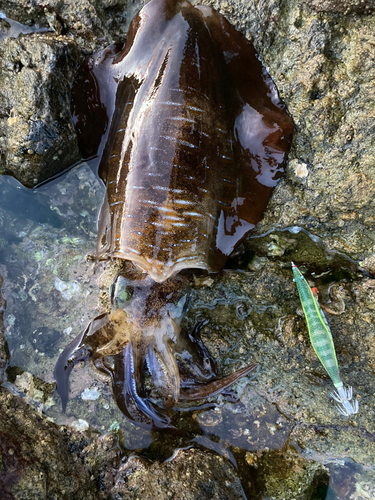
(52, 292)
(12, 29)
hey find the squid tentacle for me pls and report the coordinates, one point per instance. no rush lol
(138, 409)
(163, 367)
(194, 355)
(203, 391)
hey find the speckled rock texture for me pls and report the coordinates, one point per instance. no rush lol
(342, 6)
(91, 25)
(213, 478)
(37, 138)
(3, 356)
(324, 67)
(282, 429)
(39, 460)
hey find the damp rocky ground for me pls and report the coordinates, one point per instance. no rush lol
(278, 434)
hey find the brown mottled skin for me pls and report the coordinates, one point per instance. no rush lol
(191, 138)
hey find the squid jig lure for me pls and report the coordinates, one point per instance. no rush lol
(322, 342)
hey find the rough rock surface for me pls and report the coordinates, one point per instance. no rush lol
(38, 459)
(284, 432)
(324, 68)
(3, 356)
(213, 478)
(342, 6)
(91, 24)
(37, 138)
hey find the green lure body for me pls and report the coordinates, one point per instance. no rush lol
(321, 340)
(320, 334)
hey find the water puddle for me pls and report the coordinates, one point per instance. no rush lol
(51, 293)
(13, 29)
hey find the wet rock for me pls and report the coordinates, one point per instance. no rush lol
(3, 354)
(39, 460)
(342, 6)
(324, 68)
(285, 475)
(291, 376)
(90, 24)
(37, 139)
(25, 382)
(192, 474)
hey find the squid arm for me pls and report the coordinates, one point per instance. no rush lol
(203, 391)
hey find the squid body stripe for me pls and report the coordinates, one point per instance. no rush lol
(320, 335)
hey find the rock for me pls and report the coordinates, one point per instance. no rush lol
(192, 474)
(91, 24)
(25, 383)
(342, 6)
(284, 475)
(67, 290)
(37, 139)
(80, 425)
(90, 394)
(323, 66)
(3, 356)
(40, 460)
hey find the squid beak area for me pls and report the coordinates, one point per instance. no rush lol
(125, 379)
(200, 372)
(203, 391)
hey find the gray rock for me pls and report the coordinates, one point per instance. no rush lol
(324, 68)
(3, 357)
(342, 6)
(192, 474)
(40, 460)
(37, 139)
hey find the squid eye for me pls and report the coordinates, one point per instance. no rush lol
(121, 292)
